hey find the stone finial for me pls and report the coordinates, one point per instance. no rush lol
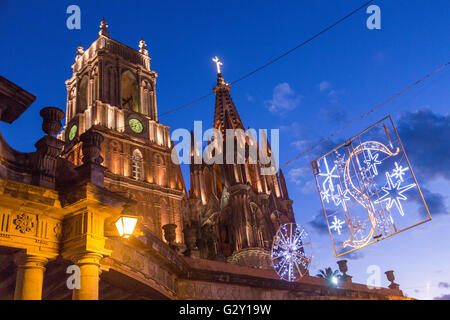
(104, 28)
(390, 276)
(91, 170)
(91, 147)
(190, 239)
(52, 117)
(343, 268)
(143, 47)
(48, 149)
(80, 50)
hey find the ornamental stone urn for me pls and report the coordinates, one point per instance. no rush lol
(169, 233)
(390, 276)
(190, 237)
(343, 269)
(52, 117)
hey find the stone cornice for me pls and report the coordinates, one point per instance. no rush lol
(13, 100)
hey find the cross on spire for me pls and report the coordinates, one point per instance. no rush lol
(218, 64)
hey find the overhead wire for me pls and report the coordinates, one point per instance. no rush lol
(284, 54)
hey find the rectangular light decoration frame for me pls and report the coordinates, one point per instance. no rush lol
(368, 189)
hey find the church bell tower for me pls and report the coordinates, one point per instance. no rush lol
(112, 91)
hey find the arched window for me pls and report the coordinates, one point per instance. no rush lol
(71, 106)
(136, 165)
(83, 94)
(130, 92)
(111, 86)
(147, 99)
(160, 170)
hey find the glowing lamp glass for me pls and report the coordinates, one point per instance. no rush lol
(125, 226)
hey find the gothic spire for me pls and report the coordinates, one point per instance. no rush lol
(104, 28)
(226, 115)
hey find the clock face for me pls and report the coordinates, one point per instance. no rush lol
(136, 125)
(73, 132)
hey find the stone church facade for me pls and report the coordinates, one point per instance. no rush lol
(58, 204)
(235, 208)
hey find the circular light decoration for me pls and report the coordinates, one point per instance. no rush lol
(291, 252)
(136, 125)
(73, 132)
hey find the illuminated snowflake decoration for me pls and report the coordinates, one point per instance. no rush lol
(365, 184)
(359, 226)
(329, 175)
(291, 252)
(340, 197)
(394, 194)
(372, 162)
(326, 195)
(337, 225)
(399, 172)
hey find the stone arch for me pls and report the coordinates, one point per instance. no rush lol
(160, 169)
(71, 102)
(136, 164)
(147, 92)
(130, 92)
(111, 85)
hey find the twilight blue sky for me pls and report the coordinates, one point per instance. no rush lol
(308, 94)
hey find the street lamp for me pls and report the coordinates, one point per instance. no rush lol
(334, 280)
(125, 225)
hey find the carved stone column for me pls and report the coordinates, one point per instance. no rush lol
(30, 276)
(89, 264)
(48, 149)
(91, 170)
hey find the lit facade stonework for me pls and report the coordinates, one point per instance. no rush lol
(112, 91)
(58, 205)
(235, 210)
